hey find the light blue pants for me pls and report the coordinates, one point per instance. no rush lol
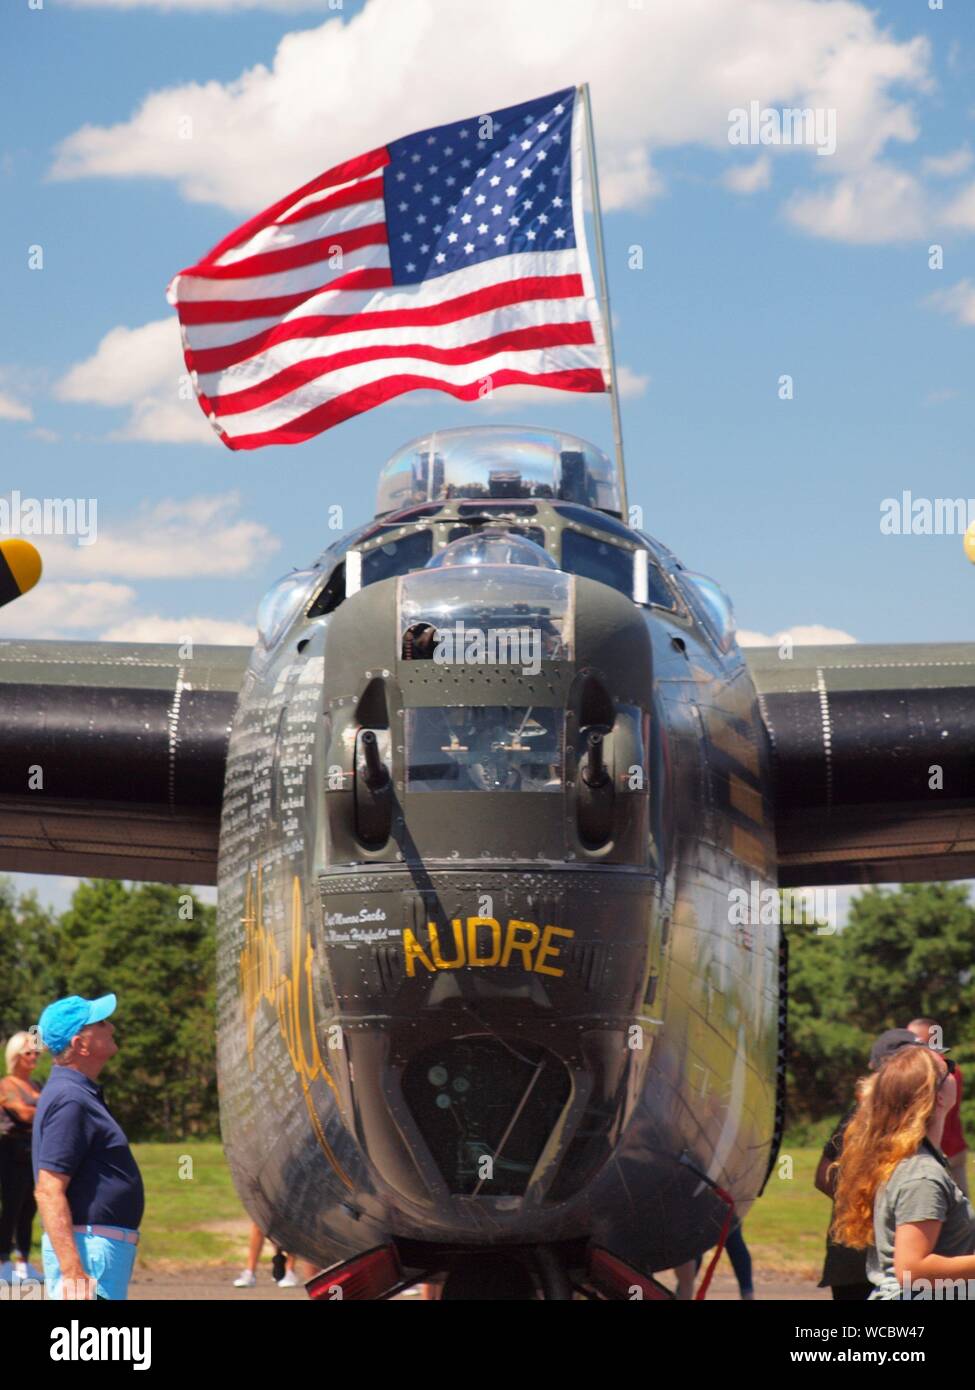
(109, 1262)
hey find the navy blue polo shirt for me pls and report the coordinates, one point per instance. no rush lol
(75, 1133)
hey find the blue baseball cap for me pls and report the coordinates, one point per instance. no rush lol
(65, 1018)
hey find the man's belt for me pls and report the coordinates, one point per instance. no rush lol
(110, 1233)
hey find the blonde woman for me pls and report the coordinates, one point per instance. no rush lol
(18, 1101)
(895, 1194)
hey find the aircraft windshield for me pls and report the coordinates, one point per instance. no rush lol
(498, 462)
(484, 749)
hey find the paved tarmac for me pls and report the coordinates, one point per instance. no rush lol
(210, 1283)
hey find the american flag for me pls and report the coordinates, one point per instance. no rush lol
(451, 260)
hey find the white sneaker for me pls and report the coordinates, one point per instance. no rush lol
(20, 1269)
(289, 1281)
(247, 1280)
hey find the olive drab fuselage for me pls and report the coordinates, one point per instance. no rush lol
(478, 980)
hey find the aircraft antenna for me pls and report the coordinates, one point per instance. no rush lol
(614, 394)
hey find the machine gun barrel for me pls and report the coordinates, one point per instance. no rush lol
(377, 774)
(595, 774)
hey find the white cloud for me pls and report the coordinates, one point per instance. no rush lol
(18, 384)
(45, 435)
(946, 166)
(626, 177)
(126, 360)
(201, 631)
(109, 613)
(142, 369)
(960, 212)
(196, 537)
(12, 409)
(884, 204)
(56, 609)
(631, 384)
(878, 204)
(749, 178)
(813, 635)
(958, 300)
(189, 539)
(273, 127)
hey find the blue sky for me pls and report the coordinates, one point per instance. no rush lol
(758, 262)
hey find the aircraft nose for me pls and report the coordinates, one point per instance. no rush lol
(486, 1108)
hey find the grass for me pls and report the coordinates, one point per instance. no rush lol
(193, 1219)
(786, 1228)
(198, 1219)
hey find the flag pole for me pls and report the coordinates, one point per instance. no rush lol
(614, 395)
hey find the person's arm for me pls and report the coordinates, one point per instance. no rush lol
(824, 1181)
(12, 1099)
(51, 1195)
(913, 1244)
(61, 1142)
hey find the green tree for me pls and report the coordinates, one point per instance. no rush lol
(827, 1046)
(904, 953)
(29, 959)
(153, 946)
(910, 952)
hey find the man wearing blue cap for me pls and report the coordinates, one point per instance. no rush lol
(87, 1183)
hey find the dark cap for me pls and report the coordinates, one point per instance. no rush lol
(890, 1042)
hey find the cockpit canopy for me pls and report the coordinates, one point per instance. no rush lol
(499, 462)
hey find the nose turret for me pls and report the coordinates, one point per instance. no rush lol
(492, 546)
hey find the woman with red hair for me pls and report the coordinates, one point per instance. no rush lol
(895, 1194)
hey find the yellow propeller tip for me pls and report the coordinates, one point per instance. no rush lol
(20, 568)
(970, 542)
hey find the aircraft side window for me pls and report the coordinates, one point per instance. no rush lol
(599, 521)
(531, 533)
(331, 595)
(599, 560)
(410, 552)
(712, 607)
(282, 603)
(660, 594)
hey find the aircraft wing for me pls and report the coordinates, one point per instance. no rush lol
(873, 757)
(112, 758)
